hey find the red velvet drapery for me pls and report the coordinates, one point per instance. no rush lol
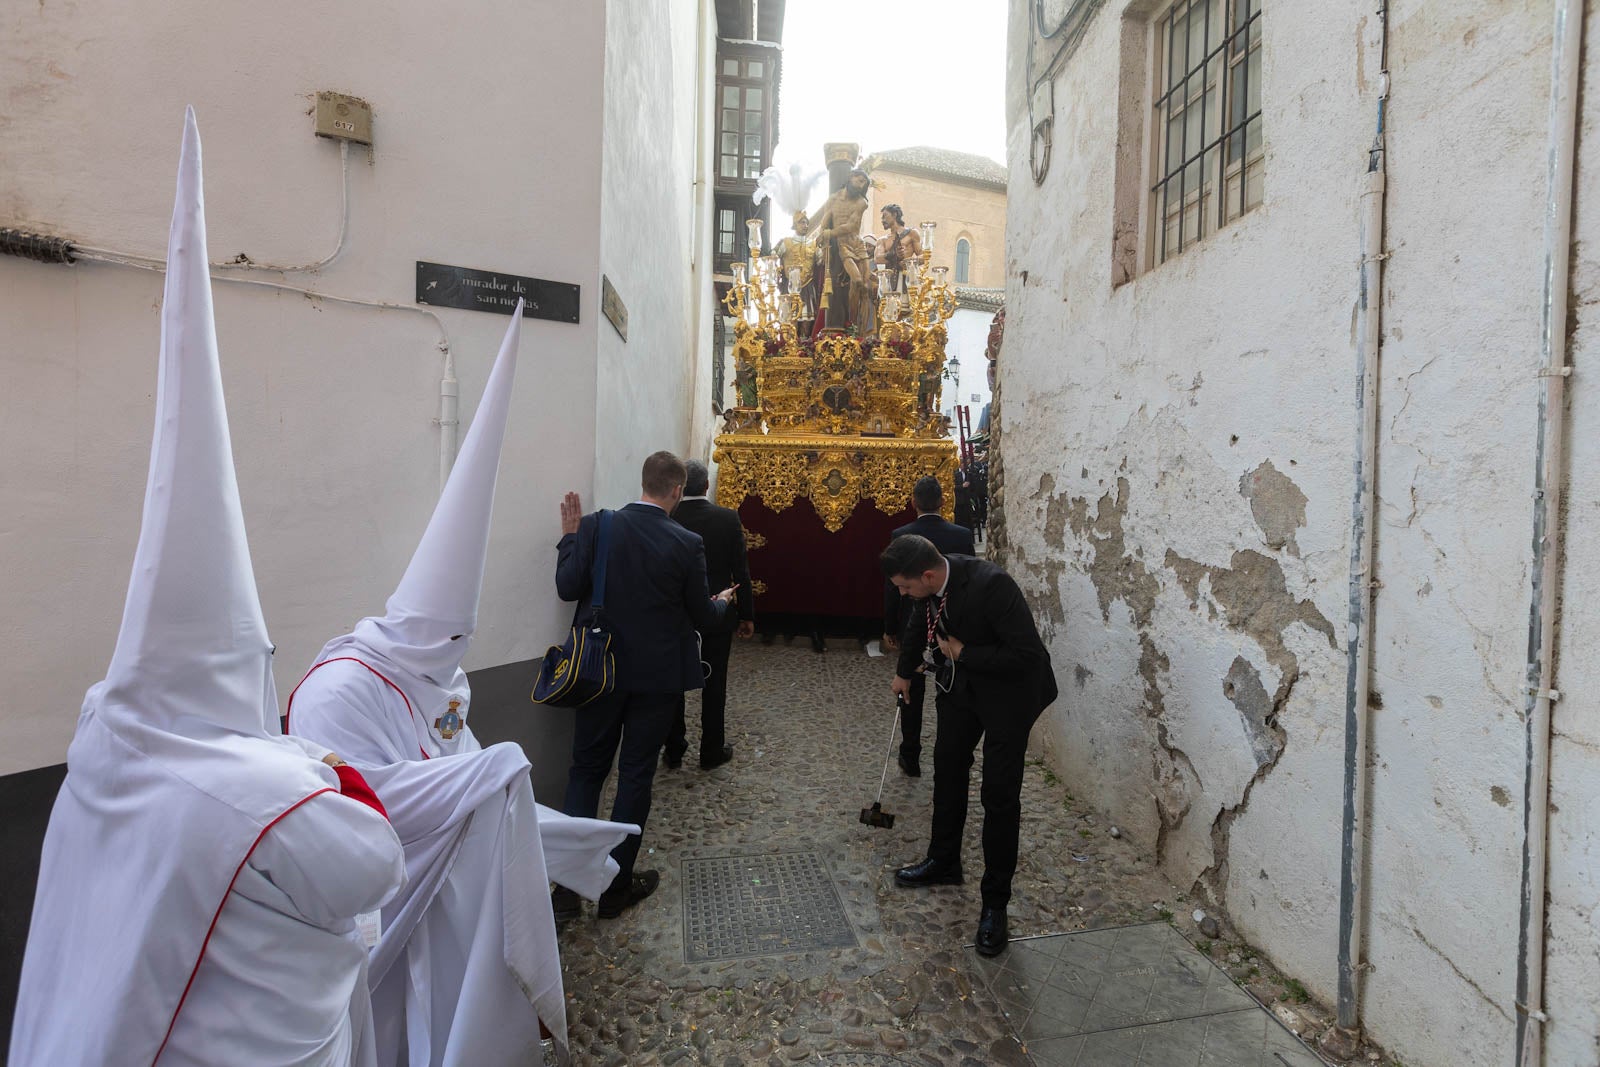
(809, 571)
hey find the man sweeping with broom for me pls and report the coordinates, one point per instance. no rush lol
(972, 633)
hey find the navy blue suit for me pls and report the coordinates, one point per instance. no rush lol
(947, 537)
(655, 600)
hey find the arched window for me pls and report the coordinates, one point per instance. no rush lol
(963, 261)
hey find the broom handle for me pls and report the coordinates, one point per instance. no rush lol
(889, 755)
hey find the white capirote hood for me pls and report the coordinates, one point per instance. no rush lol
(421, 638)
(173, 774)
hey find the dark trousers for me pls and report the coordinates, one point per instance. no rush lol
(714, 650)
(637, 723)
(963, 722)
(911, 720)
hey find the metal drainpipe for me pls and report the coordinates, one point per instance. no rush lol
(1358, 651)
(1549, 442)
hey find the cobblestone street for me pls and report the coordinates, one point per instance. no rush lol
(898, 981)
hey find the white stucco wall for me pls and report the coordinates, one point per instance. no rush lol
(1189, 589)
(968, 331)
(489, 130)
(649, 235)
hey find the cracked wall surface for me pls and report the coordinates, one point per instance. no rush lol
(1177, 453)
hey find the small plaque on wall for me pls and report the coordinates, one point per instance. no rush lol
(483, 290)
(613, 307)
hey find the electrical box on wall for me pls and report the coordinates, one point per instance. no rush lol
(344, 118)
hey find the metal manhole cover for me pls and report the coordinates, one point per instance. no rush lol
(762, 905)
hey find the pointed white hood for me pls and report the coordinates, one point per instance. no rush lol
(193, 653)
(421, 639)
(172, 775)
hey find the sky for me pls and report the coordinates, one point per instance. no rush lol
(891, 74)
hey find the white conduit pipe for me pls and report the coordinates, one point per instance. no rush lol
(242, 261)
(448, 389)
(1549, 442)
(1358, 642)
(449, 418)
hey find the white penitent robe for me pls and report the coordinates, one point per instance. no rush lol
(285, 951)
(200, 876)
(467, 963)
(195, 905)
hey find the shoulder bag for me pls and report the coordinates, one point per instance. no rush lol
(583, 668)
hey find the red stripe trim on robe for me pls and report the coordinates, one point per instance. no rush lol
(218, 914)
(338, 659)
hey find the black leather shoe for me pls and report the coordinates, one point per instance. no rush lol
(928, 872)
(992, 933)
(671, 759)
(716, 759)
(566, 904)
(911, 768)
(614, 901)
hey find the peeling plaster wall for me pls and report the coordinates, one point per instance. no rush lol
(1177, 459)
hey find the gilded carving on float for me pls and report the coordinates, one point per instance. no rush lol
(840, 413)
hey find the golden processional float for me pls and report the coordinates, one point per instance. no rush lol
(839, 361)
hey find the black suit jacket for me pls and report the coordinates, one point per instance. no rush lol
(656, 596)
(726, 562)
(947, 537)
(1003, 663)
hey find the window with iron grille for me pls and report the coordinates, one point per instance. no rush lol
(1208, 161)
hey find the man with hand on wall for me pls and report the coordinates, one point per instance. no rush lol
(726, 565)
(655, 599)
(972, 630)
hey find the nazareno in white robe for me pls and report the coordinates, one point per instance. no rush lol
(467, 963)
(200, 875)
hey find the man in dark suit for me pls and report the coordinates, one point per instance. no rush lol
(928, 497)
(726, 565)
(972, 631)
(655, 600)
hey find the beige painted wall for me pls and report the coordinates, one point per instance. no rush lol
(959, 209)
